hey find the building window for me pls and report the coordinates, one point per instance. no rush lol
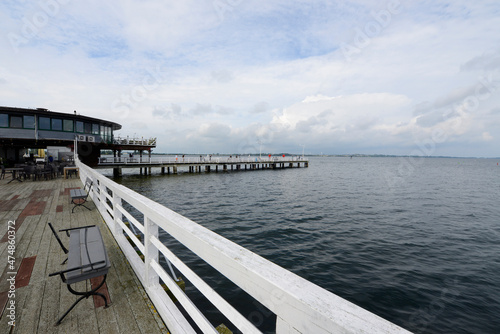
(16, 122)
(106, 134)
(79, 126)
(4, 121)
(95, 129)
(29, 122)
(88, 128)
(56, 124)
(68, 125)
(44, 123)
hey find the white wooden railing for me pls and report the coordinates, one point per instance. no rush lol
(134, 141)
(300, 306)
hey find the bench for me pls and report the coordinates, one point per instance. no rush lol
(79, 196)
(87, 258)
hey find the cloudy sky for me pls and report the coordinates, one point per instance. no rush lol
(232, 76)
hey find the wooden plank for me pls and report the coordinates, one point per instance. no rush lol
(87, 319)
(39, 273)
(22, 240)
(107, 321)
(34, 226)
(24, 273)
(127, 282)
(29, 302)
(98, 301)
(87, 315)
(4, 298)
(126, 318)
(70, 322)
(51, 287)
(107, 318)
(32, 208)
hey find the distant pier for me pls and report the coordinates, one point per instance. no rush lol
(200, 164)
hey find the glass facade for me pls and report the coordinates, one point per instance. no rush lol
(43, 123)
(68, 125)
(29, 122)
(56, 124)
(79, 126)
(16, 122)
(106, 134)
(87, 127)
(4, 121)
(47, 123)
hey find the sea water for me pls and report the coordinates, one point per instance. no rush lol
(413, 240)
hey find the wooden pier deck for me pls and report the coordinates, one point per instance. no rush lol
(37, 300)
(200, 164)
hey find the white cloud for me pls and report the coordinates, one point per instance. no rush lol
(202, 77)
(214, 130)
(487, 136)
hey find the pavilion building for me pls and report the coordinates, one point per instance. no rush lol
(22, 130)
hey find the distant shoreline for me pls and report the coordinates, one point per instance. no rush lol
(332, 155)
(354, 155)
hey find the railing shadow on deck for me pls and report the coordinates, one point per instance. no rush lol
(299, 305)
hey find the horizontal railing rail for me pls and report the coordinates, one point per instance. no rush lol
(299, 305)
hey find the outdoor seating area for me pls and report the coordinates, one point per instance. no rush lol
(37, 171)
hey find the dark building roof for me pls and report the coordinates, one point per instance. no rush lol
(49, 113)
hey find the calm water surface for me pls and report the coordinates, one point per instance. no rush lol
(416, 241)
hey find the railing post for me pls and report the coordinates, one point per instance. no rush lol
(150, 229)
(102, 196)
(95, 187)
(117, 215)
